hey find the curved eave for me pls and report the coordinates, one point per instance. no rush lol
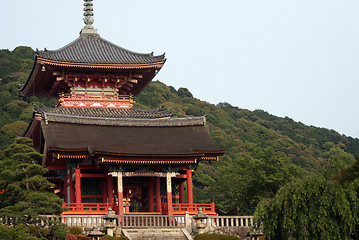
(39, 83)
(155, 65)
(151, 155)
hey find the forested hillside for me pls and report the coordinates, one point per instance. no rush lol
(264, 152)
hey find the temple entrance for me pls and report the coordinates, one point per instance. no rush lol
(132, 195)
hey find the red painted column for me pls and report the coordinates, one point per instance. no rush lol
(169, 193)
(72, 187)
(181, 192)
(78, 185)
(158, 194)
(189, 186)
(120, 193)
(150, 195)
(110, 189)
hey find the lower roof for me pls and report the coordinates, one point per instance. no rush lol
(131, 141)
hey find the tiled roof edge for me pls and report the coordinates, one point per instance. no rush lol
(126, 122)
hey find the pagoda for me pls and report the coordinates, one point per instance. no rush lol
(99, 150)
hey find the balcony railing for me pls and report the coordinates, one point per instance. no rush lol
(69, 96)
(192, 208)
(88, 208)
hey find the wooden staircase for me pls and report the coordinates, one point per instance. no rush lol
(157, 234)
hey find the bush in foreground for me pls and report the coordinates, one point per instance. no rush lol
(215, 236)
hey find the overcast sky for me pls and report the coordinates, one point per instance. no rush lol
(290, 58)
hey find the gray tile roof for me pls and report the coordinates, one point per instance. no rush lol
(91, 48)
(142, 140)
(126, 122)
(104, 112)
(116, 117)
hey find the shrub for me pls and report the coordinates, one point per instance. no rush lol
(215, 236)
(75, 230)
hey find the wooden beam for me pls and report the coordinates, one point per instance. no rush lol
(126, 87)
(123, 92)
(137, 75)
(130, 84)
(132, 80)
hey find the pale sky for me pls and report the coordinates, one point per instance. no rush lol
(290, 58)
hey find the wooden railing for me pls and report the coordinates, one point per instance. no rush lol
(193, 208)
(229, 221)
(145, 221)
(83, 208)
(82, 220)
(152, 221)
(96, 97)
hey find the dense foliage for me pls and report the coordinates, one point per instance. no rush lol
(313, 208)
(264, 152)
(215, 236)
(316, 207)
(26, 197)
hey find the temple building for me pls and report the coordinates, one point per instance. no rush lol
(100, 151)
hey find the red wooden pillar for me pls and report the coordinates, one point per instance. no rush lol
(150, 195)
(78, 185)
(158, 194)
(189, 187)
(169, 193)
(110, 189)
(181, 192)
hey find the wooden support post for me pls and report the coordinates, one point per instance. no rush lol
(181, 192)
(78, 185)
(158, 193)
(150, 195)
(189, 187)
(120, 193)
(72, 187)
(109, 189)
(169, 193)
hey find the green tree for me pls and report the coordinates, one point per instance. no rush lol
(20, 232)
(14, 129)
(248, 181)
(350, 173)
(312, 208)
(25, 196)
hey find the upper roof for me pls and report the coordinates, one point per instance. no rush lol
(90, 54)
(92, 49)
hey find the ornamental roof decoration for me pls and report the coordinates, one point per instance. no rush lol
(88, 19)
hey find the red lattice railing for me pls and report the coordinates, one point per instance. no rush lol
(193, 207)
(89, 208)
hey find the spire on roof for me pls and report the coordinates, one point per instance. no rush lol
(88, 19)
